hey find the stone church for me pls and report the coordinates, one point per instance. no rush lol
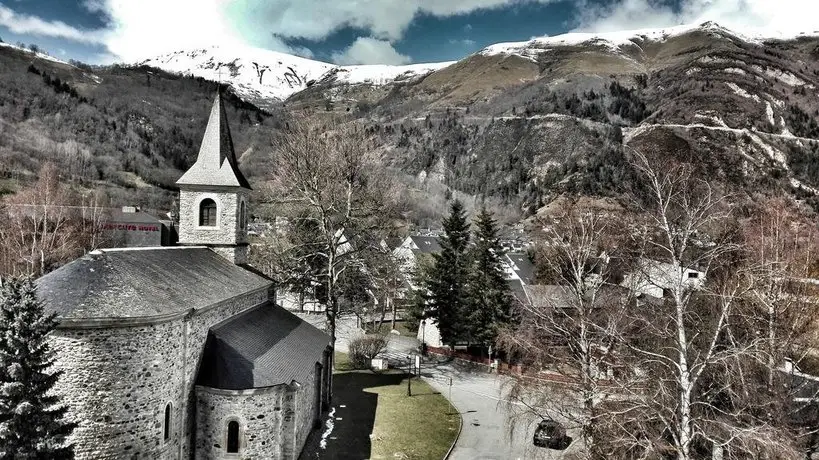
(181, 352)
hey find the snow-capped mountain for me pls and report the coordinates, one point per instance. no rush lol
(616, 40)
(258, 74)
(262, 76)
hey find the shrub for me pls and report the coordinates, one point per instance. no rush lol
(364, 349)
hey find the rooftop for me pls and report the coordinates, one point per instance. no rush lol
(262, 347)
(143, 282)
(216, 163)
(426, 244)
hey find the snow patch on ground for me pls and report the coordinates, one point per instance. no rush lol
(741, 92)
(93, 77)
(770, 113)
(712, 118)
(330, 424)
(38, 54)
(783, 76)
(785, 131)
(801, 185)
(734, 70)
(693, 70)
(717, 60)
(772, 153)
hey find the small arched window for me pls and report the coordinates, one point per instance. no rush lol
(207, 213)
(233, 437)
(167, 433)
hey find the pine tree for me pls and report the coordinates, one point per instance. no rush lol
(446, 281)
(489, 297)
(32, 423)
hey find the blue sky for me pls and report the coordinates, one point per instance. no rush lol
(361, 31)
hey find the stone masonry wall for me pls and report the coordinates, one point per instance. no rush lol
(304, 413)
(117, 382)
(260, 414)
(274, 421)
(198, 328)
(227, 230)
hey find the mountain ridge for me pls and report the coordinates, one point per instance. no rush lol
(516, 127)
(264, 76)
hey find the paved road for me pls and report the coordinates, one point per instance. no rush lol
(494, 428)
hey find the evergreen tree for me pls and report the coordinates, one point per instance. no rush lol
(488, 293)
(32, 423)
(446, 280)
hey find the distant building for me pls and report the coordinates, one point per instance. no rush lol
(519, 267)
(655, 278)
(129, 227)
(412, 247)
(181, 352)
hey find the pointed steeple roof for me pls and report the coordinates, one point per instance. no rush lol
(216, 164)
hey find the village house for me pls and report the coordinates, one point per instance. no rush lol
(181, 351)
(654, 278)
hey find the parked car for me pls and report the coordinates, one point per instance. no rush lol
(552, 435)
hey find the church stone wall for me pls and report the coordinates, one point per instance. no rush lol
(274, 422)
(118, 380)
(198, 328)
(228, 229)
(260, 414)
(116, 383)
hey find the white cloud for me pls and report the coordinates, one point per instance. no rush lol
(368, 50)
(771, 18)
(32, 25)
(138, 29)
(384, 19)
(142, 28)
(465, 42)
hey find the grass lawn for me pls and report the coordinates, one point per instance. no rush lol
(376, 419)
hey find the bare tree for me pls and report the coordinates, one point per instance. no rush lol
(39, 229)
(330, 186)
(693, 349)
(783, 246)
(571, 326)
(385, 281)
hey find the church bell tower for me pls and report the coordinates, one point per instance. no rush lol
(213, 194)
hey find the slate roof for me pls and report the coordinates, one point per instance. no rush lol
(523, 267)
(517, 290)
(216, 163)
(133, 283)
(426, 244)
(262, 347)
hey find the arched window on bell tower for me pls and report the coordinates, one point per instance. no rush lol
(207, 213)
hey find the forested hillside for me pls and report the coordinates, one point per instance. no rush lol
(130, 131)
(516, 125)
